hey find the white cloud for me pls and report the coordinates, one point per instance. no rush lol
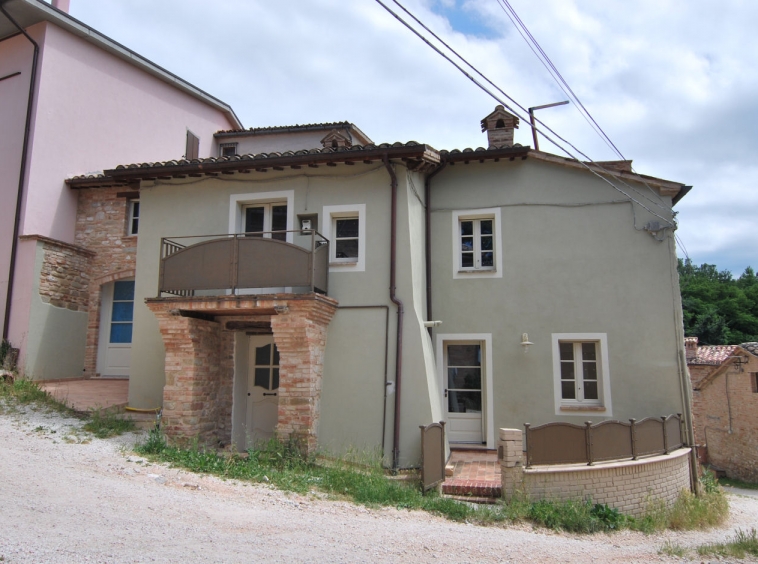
(673, 82)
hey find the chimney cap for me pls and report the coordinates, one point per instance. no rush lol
(490, 122)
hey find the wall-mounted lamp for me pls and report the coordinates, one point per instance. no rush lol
(432, 323)
(525, 342)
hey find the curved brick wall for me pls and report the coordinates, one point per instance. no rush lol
(628, 485)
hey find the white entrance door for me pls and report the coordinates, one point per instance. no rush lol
(116, 322)
(463, 373)
(262, 389)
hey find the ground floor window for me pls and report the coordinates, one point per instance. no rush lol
(580, 372)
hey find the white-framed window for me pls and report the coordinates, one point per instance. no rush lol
(227, 149)
(580, 373)
(477, 244)
(132, 226)
(274, 209)
(345, 228)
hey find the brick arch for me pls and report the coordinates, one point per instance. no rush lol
(93, 322)
(113, 277)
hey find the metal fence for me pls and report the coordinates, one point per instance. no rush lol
(566, 443)
(432, 455)
(210, 263)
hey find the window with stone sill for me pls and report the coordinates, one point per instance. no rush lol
(754, 382)
(580, 372)
(345, 228)
(477, 244)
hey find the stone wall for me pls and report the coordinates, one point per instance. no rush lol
(64, 278)
(725, 417)
(628, 485)
(101, 226)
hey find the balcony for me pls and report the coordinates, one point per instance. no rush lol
(244, 263)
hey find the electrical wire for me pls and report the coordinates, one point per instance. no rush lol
(472, 67)
(556, 74)
(510, 108)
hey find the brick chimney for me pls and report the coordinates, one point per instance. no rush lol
(62, 5)
(499, 126)
(690, 347)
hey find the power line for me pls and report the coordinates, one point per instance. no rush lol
(472, 67)
(555, 73)
(506, 105)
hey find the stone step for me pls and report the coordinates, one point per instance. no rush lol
(472, 488)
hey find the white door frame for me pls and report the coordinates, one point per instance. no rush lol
(488, 417)
(103, 340)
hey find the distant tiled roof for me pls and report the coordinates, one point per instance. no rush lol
(752, 348)
(287, 128)
(713, 354)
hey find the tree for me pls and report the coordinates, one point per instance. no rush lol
(718, 309)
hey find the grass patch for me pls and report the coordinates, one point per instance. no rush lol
(744, 543)
(671, 549)
(733, 482)
(281, 464)
(105, 423)
(24, 392)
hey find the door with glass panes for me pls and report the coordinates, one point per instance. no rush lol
(463, 385)
(262, 219)
(262, 388)
(116, 320)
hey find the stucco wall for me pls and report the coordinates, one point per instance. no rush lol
(92, 111)
(15, 56)
(575, 260)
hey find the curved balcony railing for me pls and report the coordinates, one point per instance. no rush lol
(245, 261)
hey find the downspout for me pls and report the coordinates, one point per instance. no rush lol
(428, 239)
(21, 176)
(400, 312)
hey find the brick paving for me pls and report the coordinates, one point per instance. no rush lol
(476, 473)
(85, 395)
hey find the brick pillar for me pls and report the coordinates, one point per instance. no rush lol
(300, 336)
(510, 453)
(199, 374)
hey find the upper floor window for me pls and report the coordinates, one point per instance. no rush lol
(227, 149)
(133, 223)
(345, 228)
(476, 243)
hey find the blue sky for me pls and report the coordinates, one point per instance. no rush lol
(673, 82)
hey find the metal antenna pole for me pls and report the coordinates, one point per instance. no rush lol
(531, 119)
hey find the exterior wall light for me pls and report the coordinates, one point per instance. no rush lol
(525, 342)
(432, 323)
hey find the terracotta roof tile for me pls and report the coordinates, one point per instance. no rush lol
(288, 128)
(752, 348)
(713, 354)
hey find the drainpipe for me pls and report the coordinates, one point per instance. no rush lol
(400, 312)
(428, 239)
(21, 175)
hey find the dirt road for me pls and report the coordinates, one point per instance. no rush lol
(67, 498)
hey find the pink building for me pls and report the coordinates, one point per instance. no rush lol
(74, 101)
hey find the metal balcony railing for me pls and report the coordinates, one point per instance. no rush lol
(244, 261)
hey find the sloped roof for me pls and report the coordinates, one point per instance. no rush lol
(30, 12)
(713, 354)
(362, 138)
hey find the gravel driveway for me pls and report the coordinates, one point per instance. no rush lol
(67, 498)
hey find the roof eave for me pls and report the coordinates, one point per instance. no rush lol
(121, 176)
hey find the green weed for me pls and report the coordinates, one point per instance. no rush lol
(744, 543)
(735, 483)
(23, 391)
(105, 423)
(671, 549)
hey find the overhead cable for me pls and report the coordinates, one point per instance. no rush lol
(510, 108)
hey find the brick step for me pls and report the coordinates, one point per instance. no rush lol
(472, 488)
(141, 420)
